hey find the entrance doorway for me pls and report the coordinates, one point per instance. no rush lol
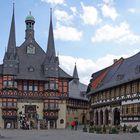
(116, 116)
(83, 119)
(52, 124)
(31, 115)
(96, 118)
(10, 123)
(106, 117)
(101, 117)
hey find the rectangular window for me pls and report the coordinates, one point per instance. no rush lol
(9, 104)
(52, 86)
(25, 87)
(35, 88)
(51, 105)
(5, 83)
(56, 86)
(4, 104)
(128, 89)
(10, 83)
(15, 84)
(14, 104)
(134, 87)
(46, 86)
(45, 105)
(30, 88)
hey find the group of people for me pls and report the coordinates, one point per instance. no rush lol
(26, 124)
(74, 125)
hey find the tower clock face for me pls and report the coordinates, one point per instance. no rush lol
(30, 49)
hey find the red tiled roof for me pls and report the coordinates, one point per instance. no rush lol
(97, 81)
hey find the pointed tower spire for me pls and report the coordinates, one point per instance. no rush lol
(11, 61)
(75, 73)
(50, 46)
(11, 48)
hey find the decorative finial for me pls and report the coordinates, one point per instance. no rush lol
(58, 53)
(13, 7)
(30, 13)
(50, 13)
(5, 49)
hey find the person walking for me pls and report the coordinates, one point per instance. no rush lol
(76, 124)
(72, 125)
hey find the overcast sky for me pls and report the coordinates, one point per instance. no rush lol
(90, 33)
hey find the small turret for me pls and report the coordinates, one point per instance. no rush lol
(75, 75)
(30, 21)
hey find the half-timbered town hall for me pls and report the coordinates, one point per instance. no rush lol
(33, 87)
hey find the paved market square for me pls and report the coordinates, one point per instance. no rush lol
(63, 135)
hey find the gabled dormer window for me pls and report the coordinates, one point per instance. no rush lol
(30, 69)
(137, 69)
(120, 76)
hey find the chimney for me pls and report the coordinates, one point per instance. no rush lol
(115, 60)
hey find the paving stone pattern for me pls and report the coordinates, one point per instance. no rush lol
(62, 135)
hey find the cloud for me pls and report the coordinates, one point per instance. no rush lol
(86, 67)
(109, 11)
(74, 10)
(108, 1)
(63, 16)
(89, 15)
(131, 10)
(120, 33)
(67, 33)
(54, 1)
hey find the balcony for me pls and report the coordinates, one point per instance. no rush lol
(30, 94)
(51, 115)
(8, 93)
(9, 108)
(51, 109)
(9, 114)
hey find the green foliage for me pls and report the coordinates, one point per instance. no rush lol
(98, 129)
(134, 129)
(124, 128)
(104, 129)
(91, 130)
(84, 129)
(114, 130)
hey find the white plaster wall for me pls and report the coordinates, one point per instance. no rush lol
(21, 107)
(62, 115)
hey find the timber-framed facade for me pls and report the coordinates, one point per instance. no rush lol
(33, 87)
(114, 93)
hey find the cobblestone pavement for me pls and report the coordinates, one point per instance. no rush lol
(62, 135)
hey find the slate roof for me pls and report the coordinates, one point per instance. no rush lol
(75, 73)
(77, 90)
(32, 66)
(123, 71)
(63, 74)
(12, 37)
(27, 61)
(1, 66)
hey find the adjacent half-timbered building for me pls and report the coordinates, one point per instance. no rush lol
(77, 103)
(114, 93)
(33, 87)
